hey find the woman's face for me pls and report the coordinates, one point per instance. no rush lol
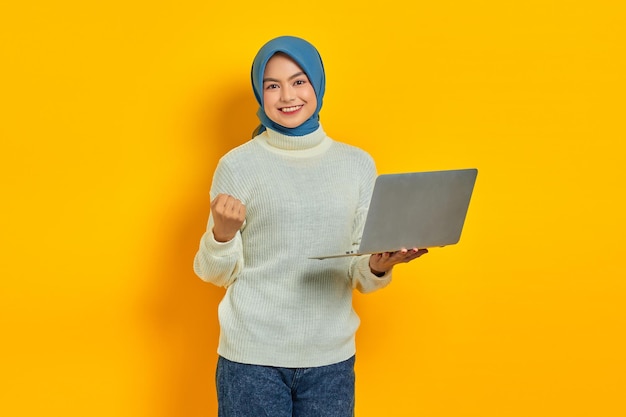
(288, 96)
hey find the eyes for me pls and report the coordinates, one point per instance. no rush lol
(273, 85)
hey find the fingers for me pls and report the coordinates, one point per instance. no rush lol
(409, 255)
(386, 261)
(228, 214)
(228, 206)
(406, 255)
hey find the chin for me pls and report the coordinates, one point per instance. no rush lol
(290, 124)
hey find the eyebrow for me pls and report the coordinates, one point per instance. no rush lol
(296, 75)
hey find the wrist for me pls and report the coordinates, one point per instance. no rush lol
(221, 237)
(377, 273)
(373, 270)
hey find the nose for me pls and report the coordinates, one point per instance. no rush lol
(287, 94)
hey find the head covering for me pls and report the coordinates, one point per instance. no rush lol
(309, 59)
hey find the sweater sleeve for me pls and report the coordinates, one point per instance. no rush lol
(218, 262)
(362, 278)
(360, 273)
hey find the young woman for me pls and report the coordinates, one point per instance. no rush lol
(287, 341)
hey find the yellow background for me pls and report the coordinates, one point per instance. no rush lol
(114, 115)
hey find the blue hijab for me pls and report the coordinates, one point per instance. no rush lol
(307, 57)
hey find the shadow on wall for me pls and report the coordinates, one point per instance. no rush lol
(184, 308)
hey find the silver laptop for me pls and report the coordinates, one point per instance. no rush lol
(415, 210)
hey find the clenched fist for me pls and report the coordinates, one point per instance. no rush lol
(228, 216)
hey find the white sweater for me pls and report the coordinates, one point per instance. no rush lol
(305, 196)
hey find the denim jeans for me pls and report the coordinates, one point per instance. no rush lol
(255, 391)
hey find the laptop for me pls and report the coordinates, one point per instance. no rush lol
(415, 210)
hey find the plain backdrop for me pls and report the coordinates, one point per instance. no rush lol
(114, 115)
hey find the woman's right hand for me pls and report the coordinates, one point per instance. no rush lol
(228, 216)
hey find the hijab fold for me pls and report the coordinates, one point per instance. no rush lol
(309, 59)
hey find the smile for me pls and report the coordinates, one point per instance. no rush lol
(290, 109)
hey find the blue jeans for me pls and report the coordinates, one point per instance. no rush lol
(256, 391)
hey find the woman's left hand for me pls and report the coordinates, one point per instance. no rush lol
(381, 263)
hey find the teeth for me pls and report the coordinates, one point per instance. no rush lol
(290, 109)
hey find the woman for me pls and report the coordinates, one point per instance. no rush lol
(287, 340)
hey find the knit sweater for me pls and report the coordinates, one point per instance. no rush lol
(305, 196)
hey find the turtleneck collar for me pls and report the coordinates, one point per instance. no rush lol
(305, 145)
(294, 143)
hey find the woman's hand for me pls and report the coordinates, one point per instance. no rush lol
(380, 263)
(228, 216)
